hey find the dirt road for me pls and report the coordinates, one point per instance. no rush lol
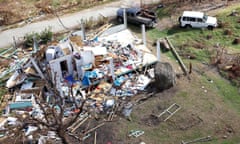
(69, 21)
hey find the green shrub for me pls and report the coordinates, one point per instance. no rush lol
(42, 38)
(46, 36)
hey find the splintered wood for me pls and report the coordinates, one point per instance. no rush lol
(112, 113)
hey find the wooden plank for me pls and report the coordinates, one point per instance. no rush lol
(92, 129)
(74, 124)
(37, 68)
(182, 65)
(95, 138)
(203, 139)
(76, 127)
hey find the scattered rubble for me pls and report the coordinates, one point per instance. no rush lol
(62, 87)
(229, 63)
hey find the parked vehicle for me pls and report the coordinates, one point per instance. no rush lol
(196, 19)
(138, 16)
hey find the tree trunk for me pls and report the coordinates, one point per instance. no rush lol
(62, 134)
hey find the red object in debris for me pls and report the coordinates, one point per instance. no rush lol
(109, 143)
(129, 67)
(98, 87)
(76, 110)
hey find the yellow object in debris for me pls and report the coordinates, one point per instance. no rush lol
(30, 70)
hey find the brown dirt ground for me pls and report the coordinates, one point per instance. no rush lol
(12, 11)
(202, 113)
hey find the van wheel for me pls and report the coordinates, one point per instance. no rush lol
(180, 25)
(188, 26)
(120, 20)
(210, 27)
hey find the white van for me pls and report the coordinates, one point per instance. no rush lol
(197, 20)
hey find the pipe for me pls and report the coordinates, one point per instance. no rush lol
(83, 30)
(125, 18)
(158, 51)
(144, 35)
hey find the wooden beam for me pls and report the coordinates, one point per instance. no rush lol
(95, 138)
(177, 56)
(92, 129)
(76, 127)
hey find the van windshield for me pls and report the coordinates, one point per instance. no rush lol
(205, 17)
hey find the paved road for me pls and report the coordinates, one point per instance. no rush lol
(70, 21)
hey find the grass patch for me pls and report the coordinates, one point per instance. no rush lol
(202, 43)
(209, 38)
(230, 141)
(229, 92)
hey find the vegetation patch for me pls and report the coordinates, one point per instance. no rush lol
(166, 11)
(202, 44)
(42, 38)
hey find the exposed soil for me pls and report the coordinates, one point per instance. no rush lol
(150, 120)
(105, 134)
(12, 11)
(187, 122)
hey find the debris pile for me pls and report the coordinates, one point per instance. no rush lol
(228, 63)
(56, 89)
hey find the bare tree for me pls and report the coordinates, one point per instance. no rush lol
(53, 118)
